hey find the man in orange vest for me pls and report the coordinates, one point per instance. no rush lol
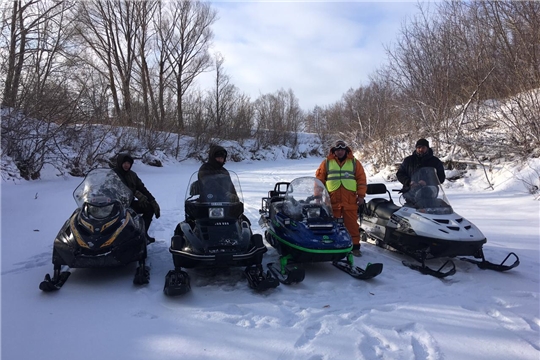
(345, 180)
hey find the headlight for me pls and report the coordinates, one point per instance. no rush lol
(216, 213)
(314, 213)
(100, 212)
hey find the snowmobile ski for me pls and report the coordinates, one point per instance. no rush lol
(258, 280)
(55, 283)
(142, 275)
(486, 265)
(176, 283)
(439, 273)
(371, 270)
(291, 274)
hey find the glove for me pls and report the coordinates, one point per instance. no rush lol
(156, 209)
(143, 200)
(360, 201)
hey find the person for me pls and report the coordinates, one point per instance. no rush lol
(345, 180)
(145, 203)
(421, 157)
(215, 179)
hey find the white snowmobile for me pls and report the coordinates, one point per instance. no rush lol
(425, 227)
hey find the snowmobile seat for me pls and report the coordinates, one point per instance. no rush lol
(382, 208)
(376, 189)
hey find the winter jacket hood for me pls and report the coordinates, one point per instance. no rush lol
(122, 158)
(212, 162)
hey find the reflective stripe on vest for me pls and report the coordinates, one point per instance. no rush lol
(337, 176)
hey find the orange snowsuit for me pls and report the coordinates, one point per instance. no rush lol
(344, 202)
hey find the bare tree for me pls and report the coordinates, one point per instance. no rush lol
(187, 45)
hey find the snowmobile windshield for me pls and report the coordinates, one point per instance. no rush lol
(218, 187)
(102, 187)
(426, 193)
(307, 190)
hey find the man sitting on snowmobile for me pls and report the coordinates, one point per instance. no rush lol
(215, 179)
(145, 202)
(421, 157)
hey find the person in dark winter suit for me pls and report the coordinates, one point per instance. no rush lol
(421, 157)
(145, 203)
(215, 179)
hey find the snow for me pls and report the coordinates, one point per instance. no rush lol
(401, 314)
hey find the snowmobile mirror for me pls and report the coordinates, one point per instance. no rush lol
(194, 188)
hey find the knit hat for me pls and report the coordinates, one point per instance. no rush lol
(340, 144)
(422, 142)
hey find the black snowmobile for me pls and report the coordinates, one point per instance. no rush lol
(425, 227)
(301, 227)
(102, 232)
(216, 234)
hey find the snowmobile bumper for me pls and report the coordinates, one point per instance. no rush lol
(186, 259)
(67, 252)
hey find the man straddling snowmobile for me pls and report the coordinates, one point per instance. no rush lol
(214, 177)
(145, 202)
(421, 157)
(345, 179)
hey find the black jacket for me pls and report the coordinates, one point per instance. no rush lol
(214, 178)
(413, 162)
(130, 178)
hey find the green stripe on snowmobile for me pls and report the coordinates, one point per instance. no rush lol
(314, 251)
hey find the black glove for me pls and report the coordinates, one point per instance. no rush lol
(156, 209)
(143, 200)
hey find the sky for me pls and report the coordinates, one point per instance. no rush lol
(401, 314)
(319, 49)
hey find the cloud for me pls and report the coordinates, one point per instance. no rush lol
(318, 49)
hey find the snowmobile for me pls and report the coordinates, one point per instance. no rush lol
(425, 227)
(300, 226)
(102, 232)
(215, 234)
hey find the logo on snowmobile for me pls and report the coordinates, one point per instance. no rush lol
(327, 240)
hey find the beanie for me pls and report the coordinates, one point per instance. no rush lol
(422, 142)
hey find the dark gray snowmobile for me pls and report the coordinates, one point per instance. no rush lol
(216, 234)
(102, 232)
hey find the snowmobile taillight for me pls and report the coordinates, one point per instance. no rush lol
(216, 213)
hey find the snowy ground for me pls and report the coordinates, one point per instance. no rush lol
(401, 314)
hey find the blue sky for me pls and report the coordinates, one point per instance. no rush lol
(317, 49)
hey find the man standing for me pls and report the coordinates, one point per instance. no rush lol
(145, 204)
(345, 180)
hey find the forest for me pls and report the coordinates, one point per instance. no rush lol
(464, 74)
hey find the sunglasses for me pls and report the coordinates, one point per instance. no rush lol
(340, 146)
(221, 154)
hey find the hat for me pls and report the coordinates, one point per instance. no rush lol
(340, 144)
(422, 142)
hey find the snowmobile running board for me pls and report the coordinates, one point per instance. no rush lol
(258, 280)
(371, 270)
(436, 273)
(486, 265)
